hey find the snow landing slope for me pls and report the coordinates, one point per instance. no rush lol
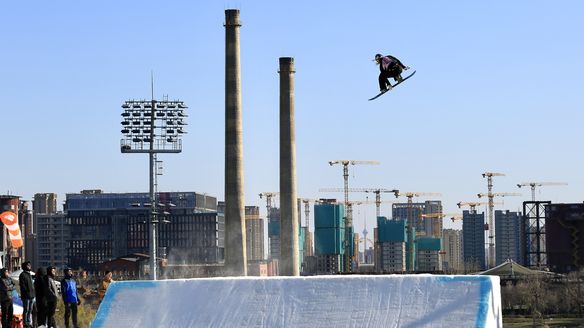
(319, 301)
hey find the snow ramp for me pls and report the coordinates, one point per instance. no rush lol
(319, 301)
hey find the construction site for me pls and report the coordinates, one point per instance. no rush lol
(405, 244)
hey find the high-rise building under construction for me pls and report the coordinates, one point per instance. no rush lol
(473, 231)
(329, 237)
(508, 237)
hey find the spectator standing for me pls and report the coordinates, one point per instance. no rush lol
(70, 296)
(83, 284)
(41, 287)
(6, 289)
(27, 293)
(103, 286)
(52, 293)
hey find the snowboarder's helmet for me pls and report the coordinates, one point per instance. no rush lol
(378, 57)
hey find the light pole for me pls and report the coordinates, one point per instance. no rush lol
(151, 127)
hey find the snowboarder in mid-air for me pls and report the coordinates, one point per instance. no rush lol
(389, 67)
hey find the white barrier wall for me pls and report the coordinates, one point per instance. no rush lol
(319, 301)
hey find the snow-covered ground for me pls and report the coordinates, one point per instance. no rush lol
(320, 301)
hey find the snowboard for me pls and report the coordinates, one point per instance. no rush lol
(395, 85)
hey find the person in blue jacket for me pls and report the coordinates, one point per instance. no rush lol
(70, 297)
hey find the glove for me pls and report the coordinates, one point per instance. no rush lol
(406, 68)
(79, 302)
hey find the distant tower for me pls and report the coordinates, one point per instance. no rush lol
(365, 232)
(235, 250)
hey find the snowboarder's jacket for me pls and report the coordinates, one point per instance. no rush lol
(69, 290)
(6, 288)
(388, 63)
(26, 285)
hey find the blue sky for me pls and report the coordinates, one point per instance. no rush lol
(498, 88)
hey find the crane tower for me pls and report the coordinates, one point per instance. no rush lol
(349, 215)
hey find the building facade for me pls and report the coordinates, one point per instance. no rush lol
(105, 226)
(428, 256)
(399, 211)
(452, 246)
(44, 203)
(473, 235)
(430, 227)
(274, 233)
(390, 245)
(508, 237)
(254, 226)
(53, 235)
(564, 224)
(329, 237)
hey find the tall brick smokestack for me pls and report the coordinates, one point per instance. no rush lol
(289, 257)
(235, 250)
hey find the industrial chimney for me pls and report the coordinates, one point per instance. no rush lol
(289, 256)
(235, 250)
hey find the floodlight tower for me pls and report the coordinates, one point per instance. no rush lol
(152, 127)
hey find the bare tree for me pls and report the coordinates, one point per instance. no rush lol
(532, 291)
(574, 291)
(471, 266)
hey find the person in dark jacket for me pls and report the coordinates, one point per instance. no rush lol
(40, 287)
(52, 294)
(6, 289)
(389, 67)
(27, 293)
(70, 297)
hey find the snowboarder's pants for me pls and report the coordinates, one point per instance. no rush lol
(7, 313)
(71, 309)
(385, 75)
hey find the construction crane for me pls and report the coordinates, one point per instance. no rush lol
(376, 191)
(409, 226)
(539, 184)
(489, 176)
(306, 202)
(490, 226)
(350, 203)
(473, 205)
(456, 217)
(269, 196)
(436, 226)
(273, 250)
(498, 194)
(349, 217)
(308, 243)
